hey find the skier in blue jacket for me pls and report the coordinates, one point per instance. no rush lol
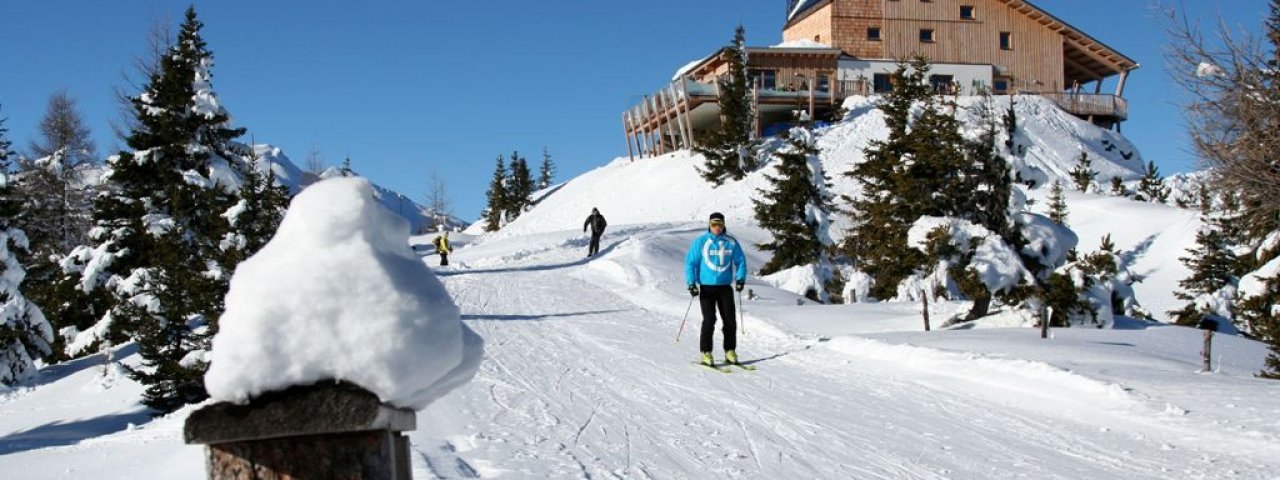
(714, 261)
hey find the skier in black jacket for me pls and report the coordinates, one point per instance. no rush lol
(597, 224)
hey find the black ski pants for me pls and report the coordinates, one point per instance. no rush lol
(444, 258)
(595, 244)
(713, 297)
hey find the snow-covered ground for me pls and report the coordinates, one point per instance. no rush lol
(583, 377)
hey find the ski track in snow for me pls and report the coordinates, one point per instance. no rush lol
(580, 382)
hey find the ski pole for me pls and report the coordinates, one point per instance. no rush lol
(742, 314)
(686, 317)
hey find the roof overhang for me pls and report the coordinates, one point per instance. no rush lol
(1085, 57)
(712, 62)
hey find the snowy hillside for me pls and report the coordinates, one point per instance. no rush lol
(583, 377)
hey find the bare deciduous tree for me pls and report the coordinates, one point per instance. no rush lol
(437, 199)
(1233, 110)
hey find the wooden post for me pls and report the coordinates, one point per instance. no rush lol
(812, 85)
(1209, 326)
(688, 109)
(674, 99)
(1207, 352)
(635, 133)
(1044, 321)
(626, 132)
(1124, 77)
(327, 430)
(648, 134)
(926, 309)
(666, 111)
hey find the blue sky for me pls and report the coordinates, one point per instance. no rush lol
(404, 87)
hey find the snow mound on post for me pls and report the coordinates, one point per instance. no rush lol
(338, 295)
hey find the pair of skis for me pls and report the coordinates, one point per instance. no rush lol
(726, 367)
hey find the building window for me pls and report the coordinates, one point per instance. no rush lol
(942, 84)
(873, 34)
(824, 83)
(766, 79)
(926, 35)
(882, 83)
(1006, 41)
(1001, 86)
(967, 12)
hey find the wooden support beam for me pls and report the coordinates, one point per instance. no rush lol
(626, 132)
(1124, 77)
(688, 112)
(674, 101)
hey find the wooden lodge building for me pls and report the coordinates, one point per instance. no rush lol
(833, 49)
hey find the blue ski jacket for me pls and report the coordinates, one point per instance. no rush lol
(715, 260)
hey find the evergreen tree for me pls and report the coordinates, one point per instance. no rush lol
(497, 197)
(1151, 188)
(1117, 187)
(795, 206)
(1057, 204)
(1213, 268)
(519, 187)
(1204, 200)
(990, 182)
(258, 214)
(161, 224)
(878, 240)
(729, 150)
(346, 167)
(1083, 173)
(25, 335)
(547, 171)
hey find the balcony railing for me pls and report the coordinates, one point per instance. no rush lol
(1089, 104)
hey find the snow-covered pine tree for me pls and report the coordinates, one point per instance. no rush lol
(729, 149)
(1057, 204)
(795, 208)
(877, 243)
(1211, 288)
(496, 205)
(519, 187)
(160, 225)
(25, 335)
(1151, 188)
(989, 177)
(257, 215)
(1117, 187)
(1083, 174)
(547, 171)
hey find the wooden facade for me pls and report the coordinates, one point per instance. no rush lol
(1019, 47)
(1030, 48)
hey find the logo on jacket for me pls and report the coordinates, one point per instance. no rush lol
(717, 258)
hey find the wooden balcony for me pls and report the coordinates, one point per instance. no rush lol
(1095, 107)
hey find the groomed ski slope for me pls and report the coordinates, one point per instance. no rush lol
(584, 380)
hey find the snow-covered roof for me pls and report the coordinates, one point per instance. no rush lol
(802, 43)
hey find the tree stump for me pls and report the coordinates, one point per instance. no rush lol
(323, 431)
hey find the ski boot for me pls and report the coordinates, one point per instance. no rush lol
(731, 357)
(706, 359)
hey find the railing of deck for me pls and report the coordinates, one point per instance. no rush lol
(1085, 104)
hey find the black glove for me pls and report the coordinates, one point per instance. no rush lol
(693, 289)
(738, 285)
